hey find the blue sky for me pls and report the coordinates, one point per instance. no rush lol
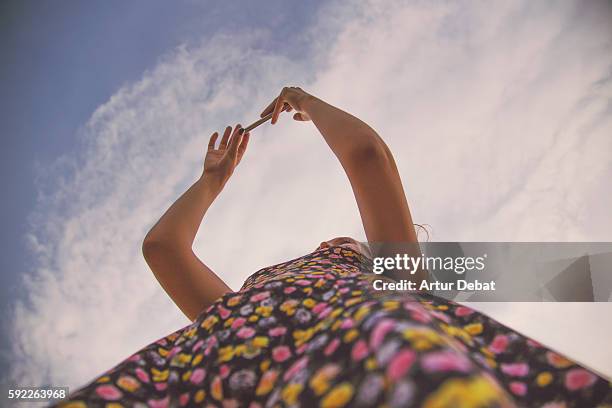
(62, 60)
(499, 120)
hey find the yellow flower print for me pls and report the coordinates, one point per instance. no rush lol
(320, 382)
(339, 396)
(128, 383)
(103, 379)
(158, 375)
(350, 335)
(457, 332)
(309, 303)
(361, 313)
(544, 378)
(226, 353)
(474, 329)
(233, 301)
(181, 359)
(371, 364)
(422, 339)
(302, 336)
(216, 389)
(197, 360)
(253, 318)
(240, 349)
(290, 393)
(199, 396)
(75, 404)
(391, 305)
(186, 375)
(264, 311)
(261, 341)
(470, 392)
(352, 301)
(268, 379)
(264, 365)
(319, 283)
(209, 322)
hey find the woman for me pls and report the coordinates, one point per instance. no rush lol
(311, 331)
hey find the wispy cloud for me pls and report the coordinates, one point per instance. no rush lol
(499, 120)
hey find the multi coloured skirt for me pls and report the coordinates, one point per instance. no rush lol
(313, 332)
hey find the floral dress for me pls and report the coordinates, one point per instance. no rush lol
(313, 332)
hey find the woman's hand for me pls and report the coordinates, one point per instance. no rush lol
(221, 161)
(295, 98)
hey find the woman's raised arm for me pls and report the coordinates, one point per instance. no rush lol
(167, 247)
(368, 163)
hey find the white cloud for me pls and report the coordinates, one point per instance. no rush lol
(497, 118)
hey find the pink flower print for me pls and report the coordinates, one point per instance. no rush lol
(197, 376)
(515, 369)
(462, 311)
(224, 371)
(223, 312)
(134, 357)
(197, 346)
(296, 368)
(160, 386)
(159, 403)
(518, 388)
(533, 343)
(319, 307)
(380, 331)
(347, 323)
(400, 364)
(108, 392)
(499, 344)
(184, 399)
(174, 351)
(331, 347)
(289, 289)
(245, 332)
(445, 361)
(578, 378)
(441, 316)
(302, 282)
(277, 331)
(260, 296)
(325, 312)
(238, 323)
(359, 351)
(142, 375)
(281, 353)
(301, 349)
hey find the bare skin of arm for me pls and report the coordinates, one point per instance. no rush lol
(167, 247)
(369, 165)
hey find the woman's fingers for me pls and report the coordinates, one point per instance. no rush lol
(278, 106)
(212, 141)
(225, 138)
(269, 108)
(243, 145)
(234, 142)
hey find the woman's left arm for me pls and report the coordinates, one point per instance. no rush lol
(167, 247)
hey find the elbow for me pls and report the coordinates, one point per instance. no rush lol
(152, 246)
(370, 151)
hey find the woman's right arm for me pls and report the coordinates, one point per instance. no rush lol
(369, 166)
